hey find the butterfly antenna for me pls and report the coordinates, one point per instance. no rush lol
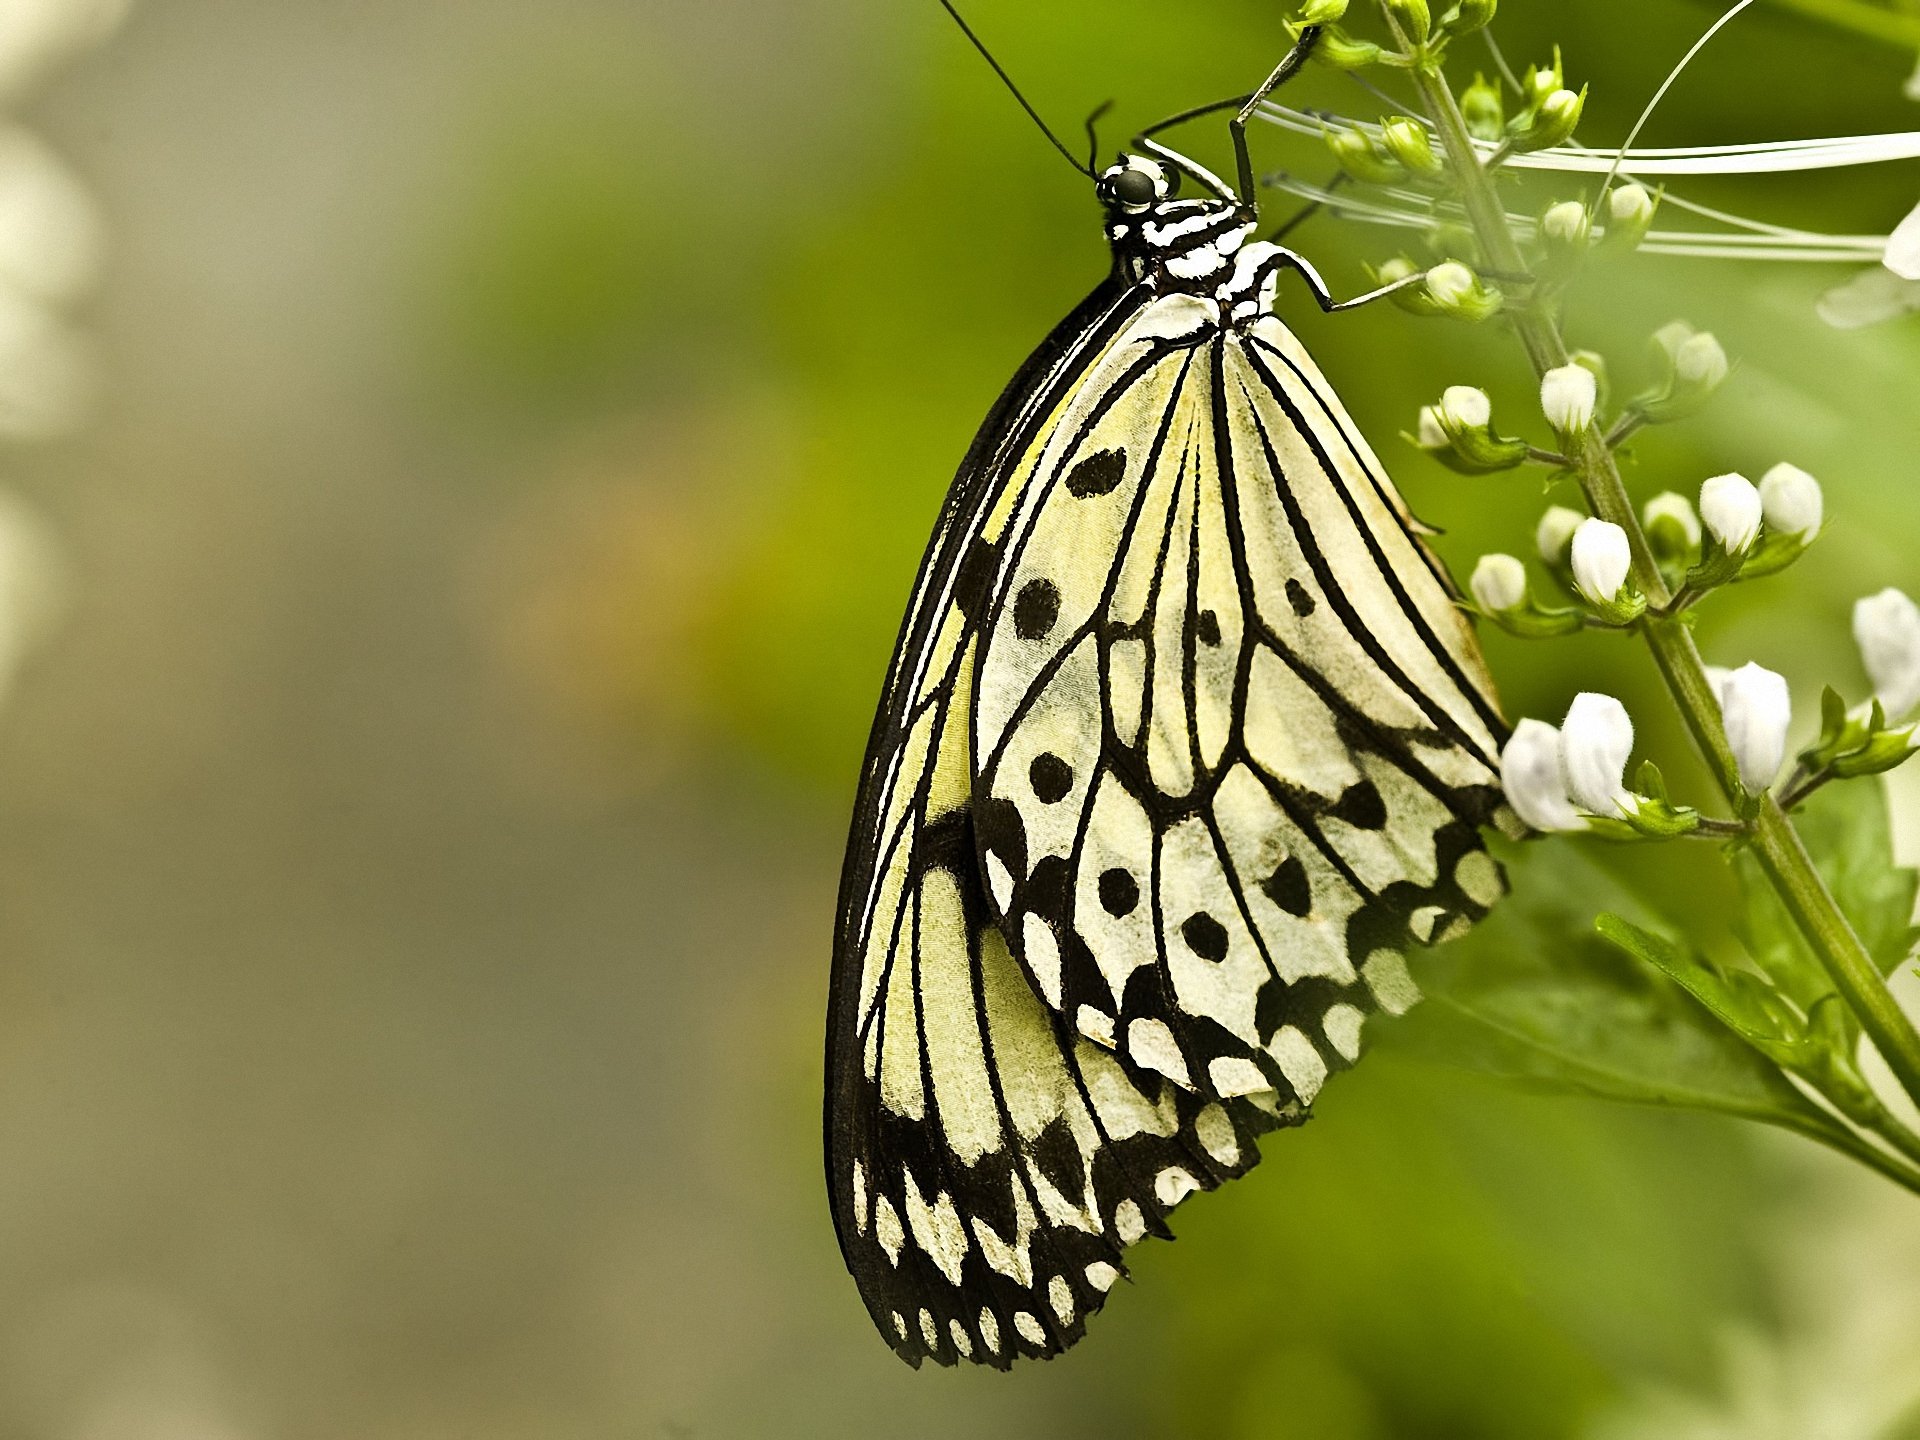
(1007, 80)
(1093, 134)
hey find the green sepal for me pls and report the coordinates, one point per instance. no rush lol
(1533, 621)
(1774, 553)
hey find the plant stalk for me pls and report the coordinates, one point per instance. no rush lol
(1782, 856)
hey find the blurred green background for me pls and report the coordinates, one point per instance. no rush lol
(518, 427)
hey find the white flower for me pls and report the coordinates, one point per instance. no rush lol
(1886, 627)
(1567, 396)
(1565, 222)
(1555, 532)
(1903, 247)
(1601, 559)
(1630, 204)
(1432, 435)
(1730, 506)
(1790, 499)
(1667, 508)
(1699, 362)
(1462, 407)
(1596, 740)
(1499, 583)
(1531, 776)
(1869, 298)
(1756, 710)
(1451, 284)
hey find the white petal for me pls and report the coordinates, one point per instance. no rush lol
(1903, 247)
(1870, 298)
(1886, 627)
(1531, 776)
(1756, 708)
(1601, 559)
(1596, 741)
(1730, 509)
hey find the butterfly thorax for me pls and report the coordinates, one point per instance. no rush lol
(1178, 244)
(1193, 247)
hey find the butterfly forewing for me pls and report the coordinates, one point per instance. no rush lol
(1185, 744)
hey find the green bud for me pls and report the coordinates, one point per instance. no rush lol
(1341, 51)
(1629, 215)
(1321, 12)
(1858, 741)
(1470, 15)
(1413, 17)
(1539, 83)
(1456, 291)
(1458, 432)
(1673, 530)
(1451, 240)
(1361, 158)
(1485, 111)
(1564, 233)
(1550, 123)
(1408, 142)
(1696, 367)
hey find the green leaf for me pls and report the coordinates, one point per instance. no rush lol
(1535, 995)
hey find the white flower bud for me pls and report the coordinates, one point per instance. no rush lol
(1671, 336)
(1565, 223)
(1601, 559)
(1669, 509)
(1630, 204)
(1531, 776)
(1791, 501)
(1756, 710)
(1554, 533)
(1903, 247)
(1730, 507)
(1462, 407)
(1499, 583)
(1568, 395)
(1596, 740)
(1886, 627)
(1430, 433)
(1699, 362)
(1450, 283)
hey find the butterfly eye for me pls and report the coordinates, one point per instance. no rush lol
(1133, 187)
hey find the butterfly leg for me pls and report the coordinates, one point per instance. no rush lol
(1283, 72)
(1278, 258)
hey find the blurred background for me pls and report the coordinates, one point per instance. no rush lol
(462, 469)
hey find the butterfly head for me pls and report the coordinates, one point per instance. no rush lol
(1135, 185)
(1174, 243)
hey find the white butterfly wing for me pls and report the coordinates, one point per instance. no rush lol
(1185, 744)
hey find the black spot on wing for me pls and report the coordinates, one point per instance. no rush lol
(1098, 474)
(1361, 807)
(1289, 888)
(1207, 627)
(1036, 609)
(1298, 597)
(1205, 936)
(1051, 778)
(975, 577)
(1119, 892)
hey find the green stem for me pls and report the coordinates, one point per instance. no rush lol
(1782, 857)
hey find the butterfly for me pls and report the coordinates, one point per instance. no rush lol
(1185, 742)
